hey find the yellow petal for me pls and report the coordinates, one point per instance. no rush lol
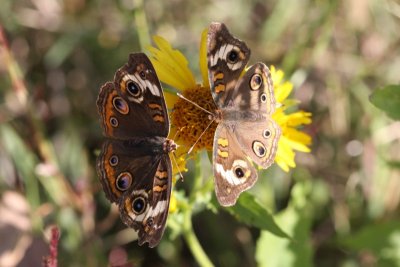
(170, 99)
(171, 66)
(282, 91)
(203, 58)
(282, 164)
(285, 153)
(298, 136)
(173, 203)
(277, 75)
(178, 59)
(279, 116)
(299, 118)
(298, 146)
(168, 75)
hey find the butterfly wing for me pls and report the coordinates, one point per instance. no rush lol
(254, 93)
(145, 208)
(227, 57)
(133, 105)
(138, 177)
(233, 172)
(261, 143)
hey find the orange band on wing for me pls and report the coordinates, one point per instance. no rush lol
(220, 88)
(158, 118)
(161, 174)
(223, 154)
(155, 106)
(218, 76)
(158, 188)
(223, 142)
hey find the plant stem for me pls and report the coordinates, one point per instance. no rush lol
(141, 24)
(188, 233)
(192, 241)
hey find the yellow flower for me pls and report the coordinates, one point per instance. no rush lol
(291, 139)
(189, 122)
(173, 203)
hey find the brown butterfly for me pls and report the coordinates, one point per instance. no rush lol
(244, 108)
(134, 166)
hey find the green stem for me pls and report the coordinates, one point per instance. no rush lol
(188, 232)
(141, 24)
(193, 242)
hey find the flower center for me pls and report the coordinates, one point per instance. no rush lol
(191, 121)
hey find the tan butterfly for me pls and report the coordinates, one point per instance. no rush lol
(244, 108)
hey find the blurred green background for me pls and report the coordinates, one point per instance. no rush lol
(340, 204)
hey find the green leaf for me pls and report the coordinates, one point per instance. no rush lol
(25, 161)
(295, 220)
(382, 239)
(388, 100)
(61, 49)
(249, 211)
(272, 251)
(393, 164)
(373, 237)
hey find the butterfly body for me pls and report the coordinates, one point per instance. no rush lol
(245, 103)
(134, 165)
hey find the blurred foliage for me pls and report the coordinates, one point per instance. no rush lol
(340, 205)
(296, 220)
(388, 99)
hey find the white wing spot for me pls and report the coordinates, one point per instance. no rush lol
(160, 207)
(229, 176)
(235, 66)
(153, 89)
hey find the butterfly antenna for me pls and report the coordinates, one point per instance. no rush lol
(198, 139)
(178, 131)
(195, 104)
(177, 166)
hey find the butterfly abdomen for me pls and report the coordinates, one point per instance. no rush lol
(155, 145)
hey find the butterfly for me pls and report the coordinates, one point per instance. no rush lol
(134, 165)
(244, 104)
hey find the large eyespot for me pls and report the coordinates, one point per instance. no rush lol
(232, 56)
(259, 149)
(267, 133)
(124, 181)
(138, 205)
(133, 88)
(120, 105)
(114, 122)
(256, 81)
(113, 160)
(239, 172)
(263, 98)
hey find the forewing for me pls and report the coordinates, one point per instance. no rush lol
(255, 91)
(227, 57)
(133, 105)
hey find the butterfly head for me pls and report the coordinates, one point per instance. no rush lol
(169, 146)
